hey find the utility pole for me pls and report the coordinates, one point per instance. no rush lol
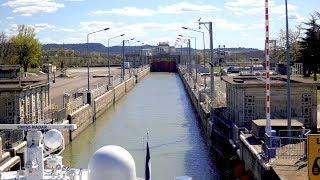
(211, 60)
(288, 71)
(123, 59)
(109, 58)
(189, 58)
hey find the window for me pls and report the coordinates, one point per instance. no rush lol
(306, 109)
(249, 108)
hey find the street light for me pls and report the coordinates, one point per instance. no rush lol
(221, 57)
(123, 72)
(183, 41)
(189, 54)
(195, 57)
(109, 53)
(140, 55)
(88, 64)
(204, 43)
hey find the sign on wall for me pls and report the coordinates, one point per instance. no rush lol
(314, 156)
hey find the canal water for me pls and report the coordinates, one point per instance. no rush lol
(158, 104)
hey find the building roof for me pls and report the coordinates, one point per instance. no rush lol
(260, 81)
(278, 122)
(7, 84)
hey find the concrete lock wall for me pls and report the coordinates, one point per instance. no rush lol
(103, 102)
(83, 117)
(130, 83)
(142, 74)
(119, 91)
(202, 113)
(87, 114)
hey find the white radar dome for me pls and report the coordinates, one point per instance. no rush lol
(112, 163)
(53, 139)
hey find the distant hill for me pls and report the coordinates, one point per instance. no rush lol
(94, 47)
(117, 50)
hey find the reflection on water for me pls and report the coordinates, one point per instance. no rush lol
(159, 105)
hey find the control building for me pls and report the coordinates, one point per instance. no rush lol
(22, 100)
(246, 99)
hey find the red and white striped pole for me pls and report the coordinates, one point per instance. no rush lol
(267, 54)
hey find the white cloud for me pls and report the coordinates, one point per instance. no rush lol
(9, 18)
(30, 7)
(13, 28)
(224, 24)
(139, 31)
(42, 26)
(127, 11)
(254, 7)
(177, 8)
(64, 30)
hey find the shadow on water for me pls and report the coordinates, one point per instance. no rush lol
(159, 104)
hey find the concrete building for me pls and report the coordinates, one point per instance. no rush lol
(164, 48)
(22, 100)
(246, 99)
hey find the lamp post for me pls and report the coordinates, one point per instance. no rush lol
(133, 60)
(188, 62)
(211, 59)
(204, 43)
(221, 56)
(123, 72)
(195, 58)
(88, 63)
(109, 51)
(140, 56)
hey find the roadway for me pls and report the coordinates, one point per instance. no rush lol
(78, 79)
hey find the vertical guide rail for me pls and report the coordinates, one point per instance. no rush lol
(267, 51)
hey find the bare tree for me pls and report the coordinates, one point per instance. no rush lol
(6, 49)
(294, 38)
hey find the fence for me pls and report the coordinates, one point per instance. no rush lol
(99, 91)
(54, 114)
(289, 149)
(75, 104)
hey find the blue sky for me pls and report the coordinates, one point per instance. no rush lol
(236, 23)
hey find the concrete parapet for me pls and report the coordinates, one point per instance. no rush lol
(83, 117)
(119, 91)
(129, 83)
(103, 102)
(140, 75)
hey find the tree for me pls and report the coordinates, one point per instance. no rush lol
(6, 50)
(310, 47)
(278, 53)
(27, 48)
